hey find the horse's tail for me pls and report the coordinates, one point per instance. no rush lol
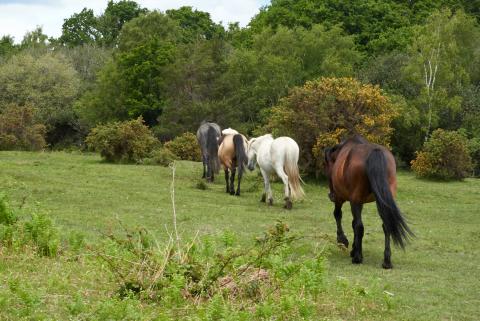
(294, 179)
(240, 154)
(212, 150)
(392, 218)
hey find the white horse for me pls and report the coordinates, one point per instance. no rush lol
(279, 155)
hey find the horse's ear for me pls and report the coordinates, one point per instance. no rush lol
(250, 142)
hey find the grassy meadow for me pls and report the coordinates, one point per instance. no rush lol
(436, 278)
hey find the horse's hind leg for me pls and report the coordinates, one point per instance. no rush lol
(287, 192)
(226, 180)
(357, 225)
(267, 194)
(239, 180)
(341, 238)
(232, 181)
(205, 162)
(387, 263)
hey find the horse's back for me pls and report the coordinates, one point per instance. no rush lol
(350, 179)
(226, 151)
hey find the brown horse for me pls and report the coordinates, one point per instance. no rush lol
(361, 172)
(232, 155)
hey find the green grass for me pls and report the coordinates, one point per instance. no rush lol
(436, 278)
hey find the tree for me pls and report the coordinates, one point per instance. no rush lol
(379, 26)
(7, 47)
(48, 83)
(81, 28)
(445, 61)
(136, 82)
(195, 24)
(116, 14)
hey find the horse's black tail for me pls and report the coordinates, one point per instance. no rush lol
(212, 150)
(240, 153)
(393, 220)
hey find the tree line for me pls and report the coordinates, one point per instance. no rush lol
(178, 67)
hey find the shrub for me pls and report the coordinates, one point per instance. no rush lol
(474, 149)
(444, 156)
(122, 142)
(327, 110)
(19, 130)
(160, 156)
(185, 147)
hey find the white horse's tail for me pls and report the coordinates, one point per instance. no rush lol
(294, 179)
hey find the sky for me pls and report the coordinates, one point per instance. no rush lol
(21, 16)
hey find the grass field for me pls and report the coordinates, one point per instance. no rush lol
(436, 278)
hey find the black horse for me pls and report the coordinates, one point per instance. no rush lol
(208, 136)
(361, 172)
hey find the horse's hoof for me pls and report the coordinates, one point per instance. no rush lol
(270, 202)
(342, 240)
(288, 205)
(264, 198)
(232, 192)
(237, 193)
(387, 265)
(357, 259)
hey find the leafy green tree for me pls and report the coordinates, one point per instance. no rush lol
(195, 24)
(7, 47)
(48, 83)
(81, 28)
(379, 26)
(196, 89)
(114, 17)
(136, 81)
(444, 61)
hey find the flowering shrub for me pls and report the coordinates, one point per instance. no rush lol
(327, 110)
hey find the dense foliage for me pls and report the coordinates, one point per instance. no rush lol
(445, 156)
(179, 67)
(19, 130)
(325, 111)
(122, 142)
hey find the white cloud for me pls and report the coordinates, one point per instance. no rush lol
(19, 17)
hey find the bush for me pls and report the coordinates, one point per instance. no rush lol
(327, 110)
(185, 147)
(160, 156)
(122, 142)
(19, 131)
(474, 149)
(444, 156)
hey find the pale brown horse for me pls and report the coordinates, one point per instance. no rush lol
(361, 172)
(232, 155)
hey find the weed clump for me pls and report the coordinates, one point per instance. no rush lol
(38, 232)
(215, 276)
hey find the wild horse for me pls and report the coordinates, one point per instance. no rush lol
(278, 155)
(361, 172)
(232, 155)
(208, 136)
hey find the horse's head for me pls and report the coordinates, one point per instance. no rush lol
(252, 153)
